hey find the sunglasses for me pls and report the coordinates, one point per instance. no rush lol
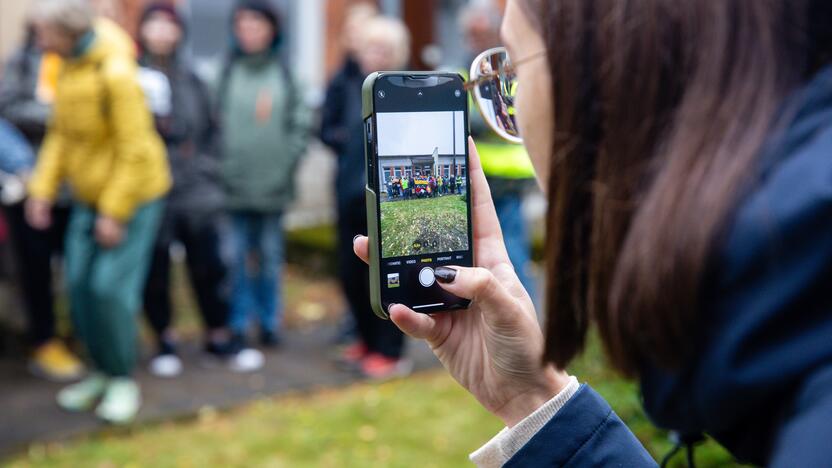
(493, 83)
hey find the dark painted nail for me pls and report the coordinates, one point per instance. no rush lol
(445, 274)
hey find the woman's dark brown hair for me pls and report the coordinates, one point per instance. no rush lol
(661, 108)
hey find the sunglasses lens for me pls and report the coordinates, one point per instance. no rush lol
(495, 92)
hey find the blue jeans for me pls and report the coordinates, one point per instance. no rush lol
(516, 236)
(256, 270)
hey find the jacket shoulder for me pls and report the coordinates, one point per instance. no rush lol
(116, 67)
(791, 201)
(768, 321)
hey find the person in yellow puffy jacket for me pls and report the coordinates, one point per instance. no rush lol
(102, 142)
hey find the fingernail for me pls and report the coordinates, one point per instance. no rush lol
(445, 274)
(355, 238)
(390, 307)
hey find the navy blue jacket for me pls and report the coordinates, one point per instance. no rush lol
(761, 380)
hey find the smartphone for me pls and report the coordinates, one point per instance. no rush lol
(418, 190)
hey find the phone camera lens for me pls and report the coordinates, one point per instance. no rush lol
(382, 94)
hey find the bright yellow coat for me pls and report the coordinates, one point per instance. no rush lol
(101, 138)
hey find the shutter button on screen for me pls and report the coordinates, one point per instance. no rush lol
(426, 277)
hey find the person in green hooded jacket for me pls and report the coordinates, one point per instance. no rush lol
(265, 128)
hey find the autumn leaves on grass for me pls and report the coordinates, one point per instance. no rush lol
(424, 226)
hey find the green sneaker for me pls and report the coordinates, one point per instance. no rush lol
(121, 401)
(81, 396)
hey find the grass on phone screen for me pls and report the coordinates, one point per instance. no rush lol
(424, 226)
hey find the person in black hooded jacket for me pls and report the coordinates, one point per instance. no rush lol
(27, 89)
(379, 351)
(340, 120)
(182, 110)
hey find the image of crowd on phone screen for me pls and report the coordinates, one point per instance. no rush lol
(422, 178)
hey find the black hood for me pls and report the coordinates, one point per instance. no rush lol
(167, 9)
(264, 8)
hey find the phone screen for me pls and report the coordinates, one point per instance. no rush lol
(422, 186)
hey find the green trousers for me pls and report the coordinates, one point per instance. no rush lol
(105, 286)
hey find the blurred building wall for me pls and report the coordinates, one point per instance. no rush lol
(12, 20)
(334, 49)
(313, 47)
(313, 30)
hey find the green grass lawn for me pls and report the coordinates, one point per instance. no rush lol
(424, 226)
(423, 421)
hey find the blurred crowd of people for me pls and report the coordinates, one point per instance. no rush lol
(112, 150)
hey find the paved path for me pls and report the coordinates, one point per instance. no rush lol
(304, 362)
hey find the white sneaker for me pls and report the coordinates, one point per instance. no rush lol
(121, 401)
(82, 395)
(247, 360)
(166, 366)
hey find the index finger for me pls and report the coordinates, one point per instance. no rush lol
(361, 247)
(488, 237)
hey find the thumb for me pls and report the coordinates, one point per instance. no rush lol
(432, 328)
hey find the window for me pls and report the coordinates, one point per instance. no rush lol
(423, 170)
(387, 174)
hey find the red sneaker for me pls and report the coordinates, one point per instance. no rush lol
(353, 354)
(379, 367)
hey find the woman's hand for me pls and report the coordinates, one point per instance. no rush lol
(493, 348)
(38, 213)
(108, 232)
